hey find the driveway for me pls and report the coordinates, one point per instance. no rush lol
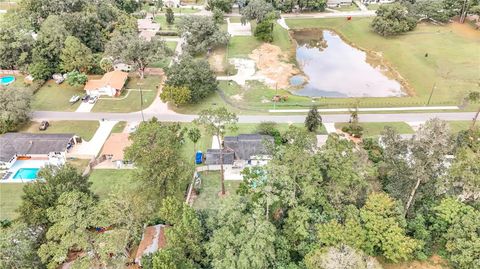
(85, 107)
(93, 147)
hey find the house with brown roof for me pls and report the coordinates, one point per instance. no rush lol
(110, 84)
(153, 239)
(114, 149)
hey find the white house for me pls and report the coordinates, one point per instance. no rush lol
(110, 84)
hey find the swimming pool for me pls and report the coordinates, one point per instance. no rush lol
(7, 80)
(26, 173)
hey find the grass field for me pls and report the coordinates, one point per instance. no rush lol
(457, 126)
(105, 181)
(351, 7)
(54, 97)
(166, 61)
(164, 26)
(451, 66)
(84, 129)
(10, 199)
(119, 127)
(242, 46)
(131, 102)
(182, 10)
(208, 197)
(376, 128)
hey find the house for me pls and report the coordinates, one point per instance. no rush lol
(110, 84)
(114, 147)
(153, 239)
(337, 3)
(249, 148)
(377, 1)
(51, 148)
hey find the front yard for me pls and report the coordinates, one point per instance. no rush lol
(376, 128)
(55, 97)
(129, 100)
(84, 129)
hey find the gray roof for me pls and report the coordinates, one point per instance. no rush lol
(213, 157)
(247, 145)
(27, 143)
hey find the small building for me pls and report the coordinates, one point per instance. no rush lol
(337, 3)
(110, 84)
(147, 28)
(153, 239)
(114, 147)
(52, 148)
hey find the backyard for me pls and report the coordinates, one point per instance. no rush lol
(208, 197)
(84, 129)
(10, 199)
(104, 181)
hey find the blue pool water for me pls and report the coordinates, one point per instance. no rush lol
(26, 173)
(7, 80)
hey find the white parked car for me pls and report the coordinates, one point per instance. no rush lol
(74, 99)
(93, 99)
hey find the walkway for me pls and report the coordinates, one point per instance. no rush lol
(283, 23)
(373, 109)
(360, 5)
(239, 29)
(93, 147)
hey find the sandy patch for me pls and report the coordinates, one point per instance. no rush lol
(237, 97)
(271, 63)
(217, 60)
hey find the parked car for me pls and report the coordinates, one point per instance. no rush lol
(43, 125)
(74, 99)
(93, 100)
(85, 98)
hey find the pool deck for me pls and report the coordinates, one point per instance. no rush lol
(32, 163)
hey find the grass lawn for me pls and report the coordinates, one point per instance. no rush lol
(105, 181)
(84, 129)
(164, 26)
(181, 10)
(237, 19)
(376, 128)
(449, 65)
(166, 61)
(208, 197)
(250, 128)
(131, 102)
(54, 97)
(80, 164)
(282, 39)
(351, 7)
(242, 46)
(119, 127)
(457, 126)
(10, 199)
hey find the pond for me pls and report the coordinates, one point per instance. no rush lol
(333, 68)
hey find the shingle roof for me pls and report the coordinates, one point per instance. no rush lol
(247, 145)
(27, 143)
(213, 157)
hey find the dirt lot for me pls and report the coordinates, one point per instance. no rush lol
(272, 63)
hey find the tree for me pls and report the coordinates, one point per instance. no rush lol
(106, 64)
(217, 121)
(264, 31)
(194, 135)
(18, 247)
(170, 17)
(139, 52)
(313, 120)
(393, 20)
(353, 128)
(456, 227)
(75, 56)
(412, 168)
(129, 6)
(343, 256)
(177, 95)
(430, 10)
(201, 34)
(222, 5)
(16, 42)
(193, 74)
(257, 10)
(14, 108)
(41, 195)
(156, 152)
(76, 78)
(218, 15)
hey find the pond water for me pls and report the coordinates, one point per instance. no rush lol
(333, 68)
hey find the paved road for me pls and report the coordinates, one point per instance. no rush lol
(136, 116)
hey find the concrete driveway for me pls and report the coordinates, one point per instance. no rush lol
(94, 146)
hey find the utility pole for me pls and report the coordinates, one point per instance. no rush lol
(431, 93)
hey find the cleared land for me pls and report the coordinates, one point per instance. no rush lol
(376, 128)
(130, 101)
(84, 129)
(104, 181)
(208, 197)
(10, 199)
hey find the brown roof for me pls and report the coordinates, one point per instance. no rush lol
(153, 238)
(114, 79)
(115, 145)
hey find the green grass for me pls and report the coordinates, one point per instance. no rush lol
(281, 38)
(376, 128)
(53, 97)
(235, 19)
(351, 7)
(242, 46)
(10, 199)
(132, 101)
(182, 10)
(250, 128)
(80, 164)
(208, 197)
(104, 181)
(450, 65)
(166, 61)
(119, 127)
(84, 129)
(457, 126)
(164, 26)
